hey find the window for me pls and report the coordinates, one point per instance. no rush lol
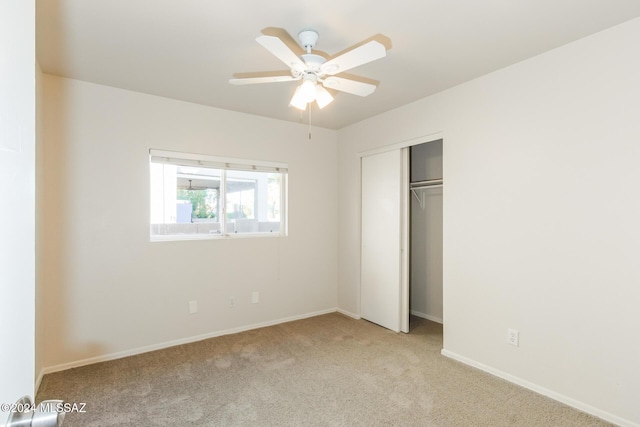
(195, 196)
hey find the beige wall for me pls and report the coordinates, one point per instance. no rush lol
(108, 290)
(541, 216)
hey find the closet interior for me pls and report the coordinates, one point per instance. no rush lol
(426, 187)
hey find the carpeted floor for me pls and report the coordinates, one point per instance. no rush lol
(324, 371)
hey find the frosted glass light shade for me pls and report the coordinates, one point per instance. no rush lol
(308, 90)
(298, 100)
(323, 97)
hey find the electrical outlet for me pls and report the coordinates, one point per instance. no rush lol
(193, 307)
(513, 337)
(255, 297)
(232, 301)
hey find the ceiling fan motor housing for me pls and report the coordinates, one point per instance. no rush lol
(313, 62)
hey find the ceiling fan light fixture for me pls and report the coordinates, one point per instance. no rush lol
(308, 90)
(323, 97)
(298, 100)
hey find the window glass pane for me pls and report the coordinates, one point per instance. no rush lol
(184, 200)
(253, 202)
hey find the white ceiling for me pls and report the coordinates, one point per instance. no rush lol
(188, 49)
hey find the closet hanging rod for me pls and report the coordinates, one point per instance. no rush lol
(420, 187)
(426, 184)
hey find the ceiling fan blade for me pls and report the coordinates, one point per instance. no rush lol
(349, 86)
(281, 51)
(263, 79)
(360, 55)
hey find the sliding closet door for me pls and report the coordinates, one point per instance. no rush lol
(383, 276)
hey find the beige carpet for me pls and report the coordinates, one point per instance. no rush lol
(325, 371)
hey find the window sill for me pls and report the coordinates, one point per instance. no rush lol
(187, 237)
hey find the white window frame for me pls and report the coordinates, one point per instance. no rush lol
(223, 164)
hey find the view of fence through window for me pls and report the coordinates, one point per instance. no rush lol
(189, 200)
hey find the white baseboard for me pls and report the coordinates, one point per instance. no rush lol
(349, 314)
(427, 316)
(160, 346)
(37, 385)
(581, 406)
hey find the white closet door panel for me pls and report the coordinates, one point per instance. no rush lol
(381, 266)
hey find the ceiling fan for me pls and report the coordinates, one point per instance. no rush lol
(315, 71)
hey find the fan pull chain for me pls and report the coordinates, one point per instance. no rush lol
(309, 122)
